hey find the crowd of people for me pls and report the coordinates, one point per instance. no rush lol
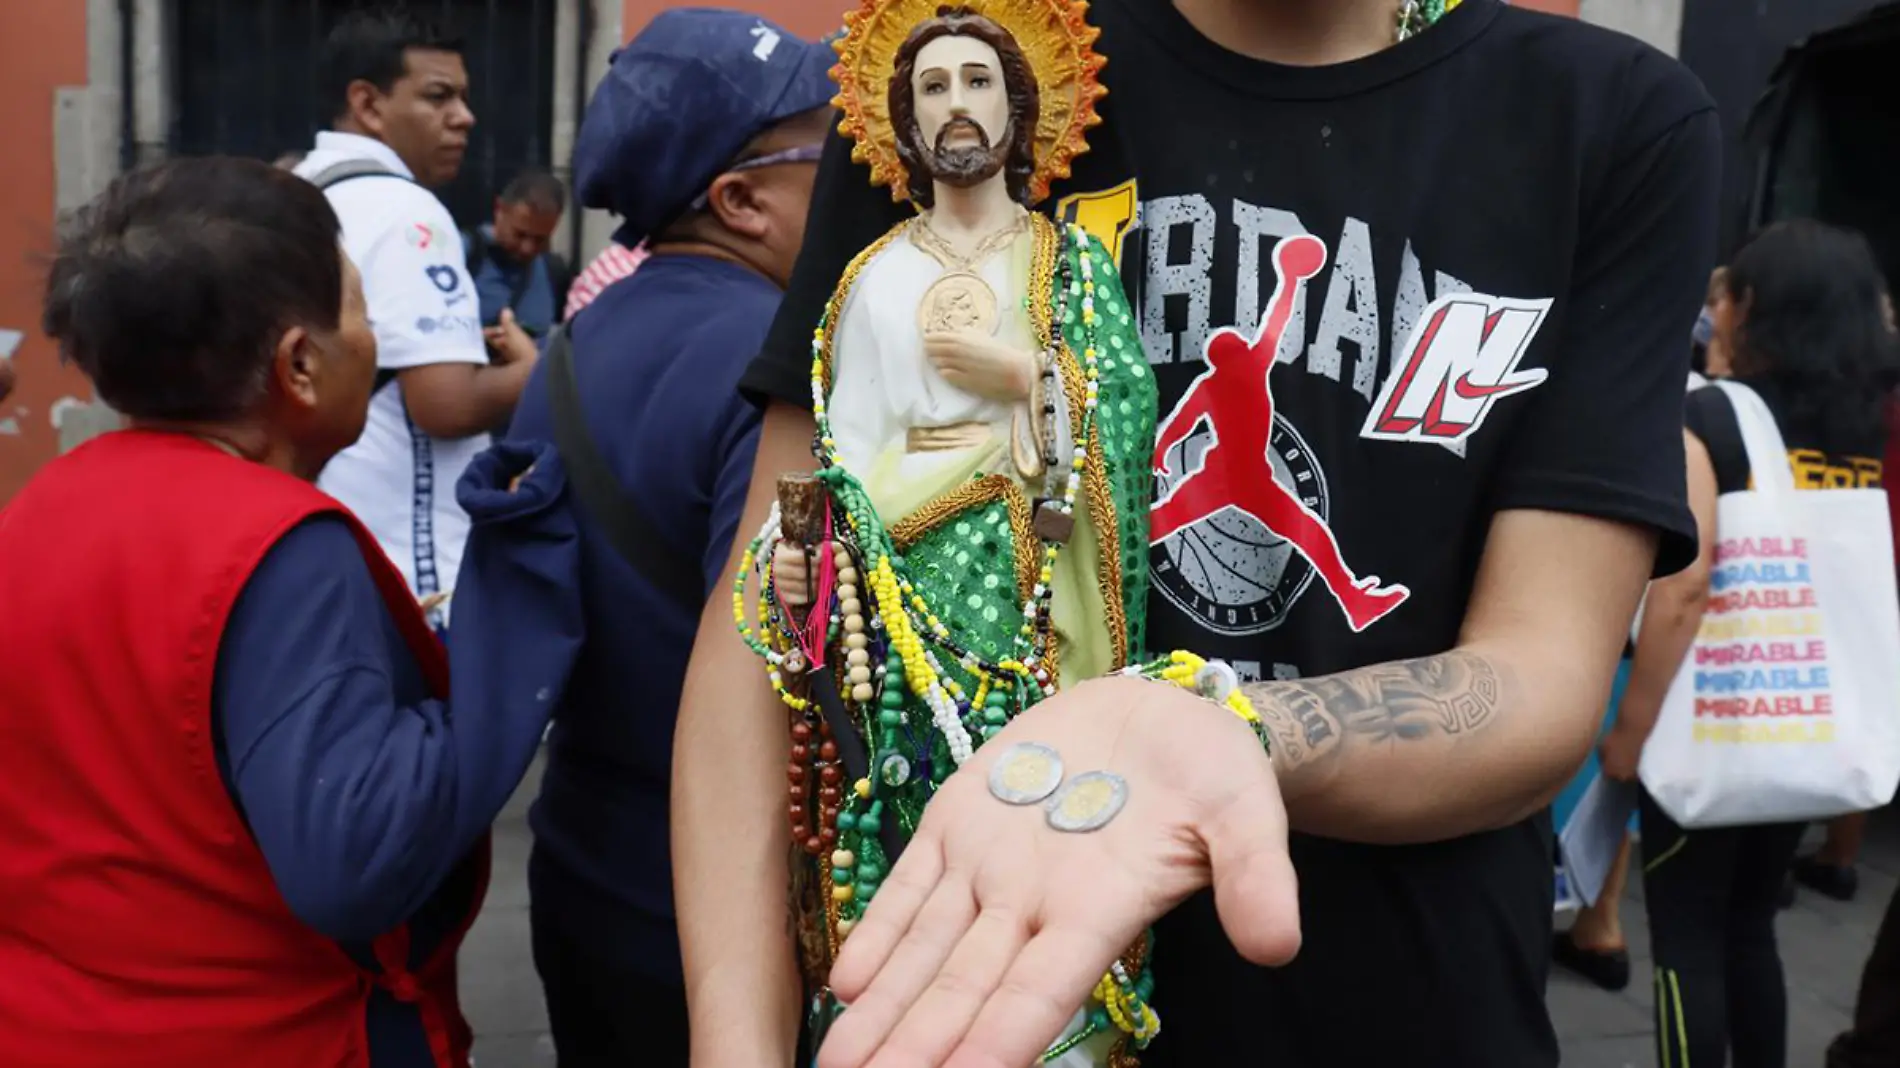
(399, 503)
(1802, 316)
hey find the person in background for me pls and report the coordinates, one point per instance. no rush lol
(1874, 1040)
(1831, 869)
(1594, 946)
(240, 820)
(396, 91)
(1799, 313)
(509, 256)
(614, 262)
(1711, 357)
(703, 138)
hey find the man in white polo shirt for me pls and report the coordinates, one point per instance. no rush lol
(400, 126)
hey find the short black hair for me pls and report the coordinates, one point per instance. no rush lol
(372, 45)
(171, 289)
(538, 189)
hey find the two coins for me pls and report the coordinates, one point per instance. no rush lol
(1030, 773)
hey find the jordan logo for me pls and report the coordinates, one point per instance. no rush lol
(1235, 397)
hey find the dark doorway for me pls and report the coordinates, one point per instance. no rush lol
(1825, 137)
(244, 82)
(1734, 47)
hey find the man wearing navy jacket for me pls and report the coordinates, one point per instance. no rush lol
(703, 139)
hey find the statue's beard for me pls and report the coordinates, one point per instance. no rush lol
(966, 165)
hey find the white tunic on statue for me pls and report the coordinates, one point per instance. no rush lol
(883, 386)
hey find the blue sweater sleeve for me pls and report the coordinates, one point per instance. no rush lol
(732, 479)
(341, 784)
(362, 793)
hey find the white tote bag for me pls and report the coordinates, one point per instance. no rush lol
(1788, 705)
(1696, 381)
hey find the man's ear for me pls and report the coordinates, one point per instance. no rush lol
(734, 201)
(297, 367)
(364, 102)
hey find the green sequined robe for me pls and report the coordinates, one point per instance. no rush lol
(968, 540)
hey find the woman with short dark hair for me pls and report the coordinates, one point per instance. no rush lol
(1799, 311)
(238, 823)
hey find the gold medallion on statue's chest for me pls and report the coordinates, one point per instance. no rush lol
(958, 302)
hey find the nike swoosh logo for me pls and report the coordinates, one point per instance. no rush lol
(1470, 390)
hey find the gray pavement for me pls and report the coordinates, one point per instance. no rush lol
(1823, 944)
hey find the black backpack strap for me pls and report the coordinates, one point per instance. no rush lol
(676, 575)
(349, 170)
(562, 278)
(519, 288)
(474, 247)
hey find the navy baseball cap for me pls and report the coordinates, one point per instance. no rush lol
(680, 102)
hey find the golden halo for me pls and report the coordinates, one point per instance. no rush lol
(1055, 37)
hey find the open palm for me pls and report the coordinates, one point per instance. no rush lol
(993, 928)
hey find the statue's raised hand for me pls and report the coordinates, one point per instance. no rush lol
(993, 927)
(981, 365)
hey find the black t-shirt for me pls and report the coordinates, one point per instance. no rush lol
(1816, 454)
(1568, 172)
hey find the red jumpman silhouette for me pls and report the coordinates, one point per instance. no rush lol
(1235, 396)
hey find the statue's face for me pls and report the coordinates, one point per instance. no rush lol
(962, 109)
(959, 78)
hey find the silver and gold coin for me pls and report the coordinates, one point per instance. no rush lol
(1087, 802)
(1026, 773)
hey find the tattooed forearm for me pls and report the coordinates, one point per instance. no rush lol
(1451, 695)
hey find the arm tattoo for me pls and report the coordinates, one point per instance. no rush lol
(1453, 695)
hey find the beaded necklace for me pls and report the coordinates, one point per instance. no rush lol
(910, 625)
(865, 601)
(902, 624)
(881, 615)
(1417, 16)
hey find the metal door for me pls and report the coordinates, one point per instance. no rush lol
(244, 83)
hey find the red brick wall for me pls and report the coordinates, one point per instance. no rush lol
(810, 18)
(42, 46)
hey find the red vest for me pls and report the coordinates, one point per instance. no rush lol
(139, 924)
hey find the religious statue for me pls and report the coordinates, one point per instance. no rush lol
(976, 535)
